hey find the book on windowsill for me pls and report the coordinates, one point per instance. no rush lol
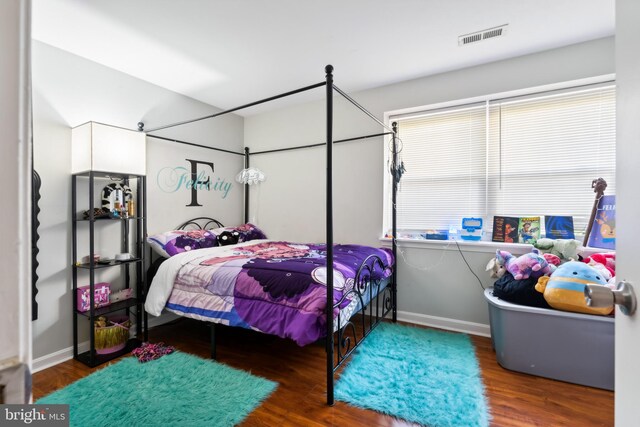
(505, 229)
(559, 227)
(529, 229)
(603, 233)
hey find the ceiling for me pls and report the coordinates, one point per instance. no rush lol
(227, 53)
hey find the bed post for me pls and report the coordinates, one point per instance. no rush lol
(394, 191)
(213, 341)
(246, 186)
(145, 234)
(329, 90)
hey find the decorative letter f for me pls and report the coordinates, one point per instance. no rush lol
(194, 178)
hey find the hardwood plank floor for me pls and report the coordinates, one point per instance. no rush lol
(515, 399)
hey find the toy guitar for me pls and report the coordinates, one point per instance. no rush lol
(598, 185)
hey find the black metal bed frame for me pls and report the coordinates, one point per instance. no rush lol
(345, 336)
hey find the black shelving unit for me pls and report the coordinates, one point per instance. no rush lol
(135, 226)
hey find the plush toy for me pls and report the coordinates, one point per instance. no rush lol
(607, 260)
(524, 266)
(552, 259)
(602, 269)
(496, 268)
(228, 238)
(564, 289)
(566, 249)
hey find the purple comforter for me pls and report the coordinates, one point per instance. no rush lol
(274, 287)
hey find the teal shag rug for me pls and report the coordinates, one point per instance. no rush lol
(420, 375)
(175, 390)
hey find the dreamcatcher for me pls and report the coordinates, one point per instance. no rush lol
(396, 170)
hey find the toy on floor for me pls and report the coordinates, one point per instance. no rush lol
(147, 351)
(528, 265)
(564, 289)
(565, 249)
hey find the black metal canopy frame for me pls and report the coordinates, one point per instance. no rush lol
(375, 296)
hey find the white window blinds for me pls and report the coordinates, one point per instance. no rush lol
(528, 156)
(445, 159)
(545, 151)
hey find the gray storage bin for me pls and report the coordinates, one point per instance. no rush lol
(573, 347)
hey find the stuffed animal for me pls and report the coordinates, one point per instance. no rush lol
(566, 249)
(607, 260)
(602, 269)
(552, 259)
(495, 267)
(228, 238)
(564, 289)
(524, 266)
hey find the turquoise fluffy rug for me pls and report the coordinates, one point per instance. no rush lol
(420, 375)
(175, 390)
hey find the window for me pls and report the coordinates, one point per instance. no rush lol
(533, 155)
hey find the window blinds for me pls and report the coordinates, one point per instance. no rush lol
(544, 152)
(529, 156)
(445, 160)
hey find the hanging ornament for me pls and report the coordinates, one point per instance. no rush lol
(398, 171)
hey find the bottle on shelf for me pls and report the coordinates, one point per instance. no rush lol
(131, 209)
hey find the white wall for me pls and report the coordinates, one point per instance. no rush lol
(167, 187)
(292, 200)
(15, 285)
(68, 91)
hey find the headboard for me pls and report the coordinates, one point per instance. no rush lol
(200, 223)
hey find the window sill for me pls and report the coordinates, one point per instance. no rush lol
(465, 245)
(476, 246)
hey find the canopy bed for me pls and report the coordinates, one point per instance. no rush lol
(282, 288)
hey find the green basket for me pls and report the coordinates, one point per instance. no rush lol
(112, 337)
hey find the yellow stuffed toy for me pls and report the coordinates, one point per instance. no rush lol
(564, 289)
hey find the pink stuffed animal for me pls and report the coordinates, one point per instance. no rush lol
(608, 260)
(528, 265)
(552, 259)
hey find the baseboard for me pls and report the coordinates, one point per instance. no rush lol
(65, 354)
(472, 328)
(445, 323)
(49, 360)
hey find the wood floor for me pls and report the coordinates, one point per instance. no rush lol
(515, 399)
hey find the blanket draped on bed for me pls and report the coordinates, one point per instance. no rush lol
(273, 287)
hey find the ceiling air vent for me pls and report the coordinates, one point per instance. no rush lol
(478, 36)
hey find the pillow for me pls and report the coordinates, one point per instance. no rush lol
(171, 243)
(246, 232)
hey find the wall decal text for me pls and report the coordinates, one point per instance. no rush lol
(192, 179)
